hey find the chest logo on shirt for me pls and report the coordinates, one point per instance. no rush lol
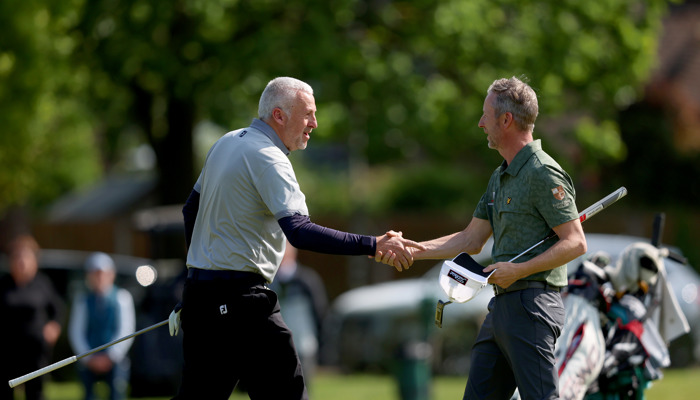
(509, 200)
(223, 309)
(559, 193)
(242, 133)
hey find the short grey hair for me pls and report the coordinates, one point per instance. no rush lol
(518, 98)
(280, 92)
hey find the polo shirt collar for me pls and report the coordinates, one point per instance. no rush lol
(521, 158)
(263, 127)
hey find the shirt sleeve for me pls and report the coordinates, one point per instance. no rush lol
(127, 326)
(306, 235)
(481, 210)
(77, 326)
(556, 198)
(280, 191)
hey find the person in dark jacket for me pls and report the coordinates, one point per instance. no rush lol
(32, 310)
(303, 302)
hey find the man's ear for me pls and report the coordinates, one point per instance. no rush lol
(278, 116)
(507, 119)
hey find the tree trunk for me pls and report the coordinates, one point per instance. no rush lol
(174, 153)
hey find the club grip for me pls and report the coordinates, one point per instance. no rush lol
(603, 203)
(18, 381)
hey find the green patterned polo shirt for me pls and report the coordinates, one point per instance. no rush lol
(523, 201)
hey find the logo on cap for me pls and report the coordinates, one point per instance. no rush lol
(457, 277)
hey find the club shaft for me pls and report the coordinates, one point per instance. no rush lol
(70, 360)
(584, 215)
(112, 343)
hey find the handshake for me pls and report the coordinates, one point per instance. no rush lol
(393, 249)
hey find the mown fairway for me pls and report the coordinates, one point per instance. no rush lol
(677, 384)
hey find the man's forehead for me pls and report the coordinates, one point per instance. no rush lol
(305, 102)
(306, 97)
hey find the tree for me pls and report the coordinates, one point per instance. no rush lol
(46, 142)
(397, 82)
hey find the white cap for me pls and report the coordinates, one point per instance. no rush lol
(99, 261)
(462, 278)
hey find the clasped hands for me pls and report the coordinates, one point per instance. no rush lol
(393, 249)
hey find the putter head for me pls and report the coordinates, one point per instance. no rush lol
(438, 312)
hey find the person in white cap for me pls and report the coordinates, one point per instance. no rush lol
(102, 314)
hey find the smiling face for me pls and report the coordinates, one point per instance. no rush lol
(298, 121)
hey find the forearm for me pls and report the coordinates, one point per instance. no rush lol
(304, 234)
(471, 240)
(562, 252)
(441, 248)
(571, 244)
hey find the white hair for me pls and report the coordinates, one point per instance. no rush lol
(280, 93)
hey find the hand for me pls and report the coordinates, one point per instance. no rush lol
(390, 258)
(51, 331)
(100, 363)
(505, 274)
(174, 320)
(393, 249)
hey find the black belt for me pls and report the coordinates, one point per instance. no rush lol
(240, 277)
(520, 285)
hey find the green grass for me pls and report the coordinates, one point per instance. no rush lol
(677, 384)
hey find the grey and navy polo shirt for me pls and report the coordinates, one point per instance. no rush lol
(246, 185)
(523, 201)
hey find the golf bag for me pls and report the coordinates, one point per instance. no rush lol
(609, 348)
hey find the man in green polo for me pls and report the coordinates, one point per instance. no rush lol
(528, 196)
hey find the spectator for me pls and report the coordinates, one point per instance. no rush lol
(102, 314)
(32, 310)
(303, 303)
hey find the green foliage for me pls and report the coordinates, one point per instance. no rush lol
(450, 189)
(398, 82)
(47, 138)
(602, 141)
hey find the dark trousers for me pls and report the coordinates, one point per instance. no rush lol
(20, 357)
(33, 389)
(515, 347)
(233, 332)
(117, 380)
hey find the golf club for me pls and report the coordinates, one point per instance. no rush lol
(70, 360)
(586, 214)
